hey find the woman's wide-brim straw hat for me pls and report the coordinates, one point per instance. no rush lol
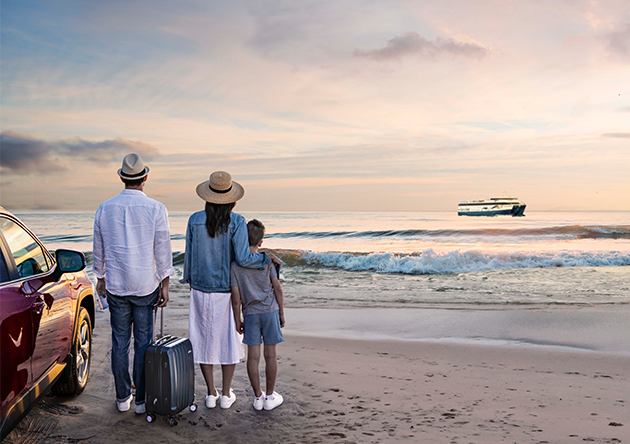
(220, 189)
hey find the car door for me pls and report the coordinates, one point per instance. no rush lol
(16, 333)
(50, 301)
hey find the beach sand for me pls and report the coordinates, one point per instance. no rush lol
(369, 391)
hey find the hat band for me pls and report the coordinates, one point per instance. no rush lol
(220, 191)
(135, 175)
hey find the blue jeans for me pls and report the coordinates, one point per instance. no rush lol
(126, 311)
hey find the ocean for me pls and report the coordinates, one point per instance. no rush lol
(420, 259)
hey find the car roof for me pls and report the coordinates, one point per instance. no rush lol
(5, 211)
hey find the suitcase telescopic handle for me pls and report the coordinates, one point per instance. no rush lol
(155, 310)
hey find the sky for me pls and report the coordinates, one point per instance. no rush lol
(341, 105)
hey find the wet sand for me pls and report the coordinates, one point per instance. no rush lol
(370, 391)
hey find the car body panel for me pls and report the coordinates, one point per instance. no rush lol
(17, 322)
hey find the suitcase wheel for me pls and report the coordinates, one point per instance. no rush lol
(193, 407)
(150, 417)
(172, 421)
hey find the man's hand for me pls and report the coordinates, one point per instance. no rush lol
(275, 259)
(163, 297)
(100, 287)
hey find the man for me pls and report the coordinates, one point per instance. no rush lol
(132, 262)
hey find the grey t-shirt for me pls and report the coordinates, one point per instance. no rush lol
(254, 284)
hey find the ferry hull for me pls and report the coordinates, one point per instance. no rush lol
(520, 210)
(515, 211)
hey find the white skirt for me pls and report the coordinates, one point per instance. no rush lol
(212, 330)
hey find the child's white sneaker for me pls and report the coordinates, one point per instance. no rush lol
(226, 402)
(259, 402)
(272, 401)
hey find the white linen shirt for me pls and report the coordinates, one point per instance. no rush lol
(132, 244)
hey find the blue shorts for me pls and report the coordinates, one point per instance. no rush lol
(262, 326)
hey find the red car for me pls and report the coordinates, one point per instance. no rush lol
(47, 311)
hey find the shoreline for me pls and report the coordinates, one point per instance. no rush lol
(592, 328)
(368, 391)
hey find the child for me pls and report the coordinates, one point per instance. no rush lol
(260, 293)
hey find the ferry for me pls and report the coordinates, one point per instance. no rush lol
(495, 206)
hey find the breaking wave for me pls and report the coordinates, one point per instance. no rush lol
(431, 262)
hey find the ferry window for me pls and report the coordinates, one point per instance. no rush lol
(27, 253)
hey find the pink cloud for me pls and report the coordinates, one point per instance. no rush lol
(411, 43)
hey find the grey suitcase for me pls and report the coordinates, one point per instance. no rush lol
(170, 376)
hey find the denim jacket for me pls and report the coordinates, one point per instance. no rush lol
(207, 260)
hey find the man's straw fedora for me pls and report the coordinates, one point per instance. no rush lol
(133, 168)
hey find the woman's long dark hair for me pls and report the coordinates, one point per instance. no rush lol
(218, 217)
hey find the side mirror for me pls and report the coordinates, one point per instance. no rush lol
(69, 261)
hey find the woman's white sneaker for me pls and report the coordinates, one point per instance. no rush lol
(226, 402)
(272, 401)
(211, 401)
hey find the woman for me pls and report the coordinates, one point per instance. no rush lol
(214, 238)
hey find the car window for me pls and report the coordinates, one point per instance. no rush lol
(29, 256)
(4, 275)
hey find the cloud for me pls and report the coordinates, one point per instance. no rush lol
(26, 154)
(617, 135)
(619, 42)
(106, 150)
(410, 43)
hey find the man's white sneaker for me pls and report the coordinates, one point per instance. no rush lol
(211, 401)
(125, 405)
(273, 401)
(226, 402)
(141, 408)
(259, 402)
